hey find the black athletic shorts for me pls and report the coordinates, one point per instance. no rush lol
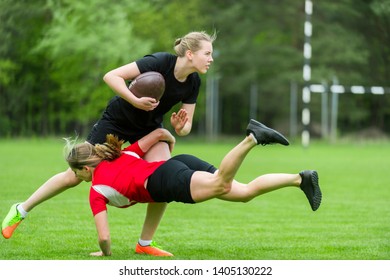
(171, 181)
(123, 120)
(103, 127)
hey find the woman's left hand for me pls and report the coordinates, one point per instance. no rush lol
(179, 120)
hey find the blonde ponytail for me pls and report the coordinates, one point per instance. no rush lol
(86, 154)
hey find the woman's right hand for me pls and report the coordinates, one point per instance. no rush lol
(145, 103)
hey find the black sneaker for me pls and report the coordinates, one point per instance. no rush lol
(265, 135)
(311, 188)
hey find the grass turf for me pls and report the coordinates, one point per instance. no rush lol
(353, 222)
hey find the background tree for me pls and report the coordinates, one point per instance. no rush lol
(351, 45)
(81, 46)
(259, 45)
(20, 112)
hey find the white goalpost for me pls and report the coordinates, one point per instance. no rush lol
(335, 89)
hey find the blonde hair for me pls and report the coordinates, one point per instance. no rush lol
(86, 154)
(191, 42)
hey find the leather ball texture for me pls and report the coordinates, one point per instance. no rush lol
(148, 84)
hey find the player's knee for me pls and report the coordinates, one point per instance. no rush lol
(247, 196)
(69, 179)
(227, 187)
(224, 188)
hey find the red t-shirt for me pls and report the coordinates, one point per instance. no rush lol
(120, 182)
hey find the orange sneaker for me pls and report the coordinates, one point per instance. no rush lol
(11, 221)
(152, 250)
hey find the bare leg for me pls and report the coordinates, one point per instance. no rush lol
(223, 186)
(52, 187)
(233, 160)
(154, 214)
(205, 186)
(55, 185)
(155, 211)
(261, 185)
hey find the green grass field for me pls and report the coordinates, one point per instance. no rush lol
(353, 222)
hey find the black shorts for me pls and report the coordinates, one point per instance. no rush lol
(103, 127)
(172, 180)
(125, 121)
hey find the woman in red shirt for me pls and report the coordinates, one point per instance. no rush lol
(131, 118)
(122, 178)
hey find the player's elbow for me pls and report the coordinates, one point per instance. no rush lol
(106, 77)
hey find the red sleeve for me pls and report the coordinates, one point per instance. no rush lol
(135, 148)
(97, 201)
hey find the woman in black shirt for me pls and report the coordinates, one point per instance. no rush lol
(130, 118)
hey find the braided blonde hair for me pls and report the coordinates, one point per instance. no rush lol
(86, 154)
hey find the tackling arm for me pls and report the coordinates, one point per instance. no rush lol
(157, 135)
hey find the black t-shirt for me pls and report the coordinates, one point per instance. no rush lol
(127, 116)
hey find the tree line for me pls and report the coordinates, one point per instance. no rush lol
(54, 54)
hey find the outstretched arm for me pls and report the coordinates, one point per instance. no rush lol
(158, 135)
(101, 222)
